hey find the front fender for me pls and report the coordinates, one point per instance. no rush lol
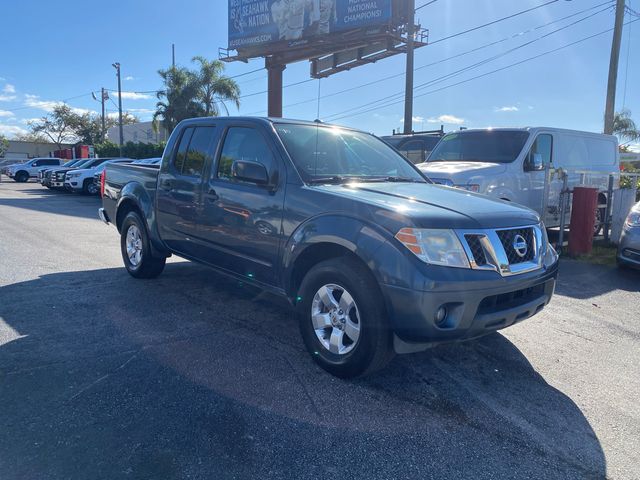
(388, 261)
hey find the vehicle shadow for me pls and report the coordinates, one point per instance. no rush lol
(35, 197)
(195, 375)
(589, 280)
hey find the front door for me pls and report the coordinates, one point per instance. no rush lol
(242, 221)
(536, 165)
(179, 189)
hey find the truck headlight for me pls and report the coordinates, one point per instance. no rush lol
(434, 246)
(633, 219)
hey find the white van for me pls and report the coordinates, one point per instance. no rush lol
(511, 164)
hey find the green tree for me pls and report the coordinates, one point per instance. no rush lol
(59, 126)
(624, 126)
(214, 88)
(89, 126)
(4, 145)
(179, 99)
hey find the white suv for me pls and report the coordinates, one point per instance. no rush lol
(81, 180)
(22, 172)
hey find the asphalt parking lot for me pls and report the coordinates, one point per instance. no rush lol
(192, 375)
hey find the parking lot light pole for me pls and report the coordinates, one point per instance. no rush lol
(117, 67)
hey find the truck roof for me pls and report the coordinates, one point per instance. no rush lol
(533, 130)
(265, 120)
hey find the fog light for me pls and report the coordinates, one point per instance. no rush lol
(441, 315)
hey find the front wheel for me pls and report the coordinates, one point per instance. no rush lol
(89, 187)
(21, 177)
(342, 319)
(136, 249)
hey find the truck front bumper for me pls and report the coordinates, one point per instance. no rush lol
(452, 312)
(629, 247)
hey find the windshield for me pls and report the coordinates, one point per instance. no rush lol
(81, 164)
(486, 146)
(334, 154)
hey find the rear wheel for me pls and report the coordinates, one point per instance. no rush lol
(136, 249)
(342, 319)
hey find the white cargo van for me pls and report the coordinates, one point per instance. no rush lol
(511, 164)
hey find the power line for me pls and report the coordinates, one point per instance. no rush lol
(493, 22)
(487, 73)
(425, 5)
(469, 67)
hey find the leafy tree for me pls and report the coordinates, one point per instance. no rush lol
(130, 150)
(194, 93)
(4, 145)
(624, 126)
(89, 126)
(179, 99)
(59, 126)
(214, 88)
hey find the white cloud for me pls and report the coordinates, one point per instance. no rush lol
(11, 130)
(452, 119)
(33, 101)
(511, 108)
(7, 98)
(132, 95)
(27, 121)
(140, 110)
(6, 113)
(8, 88)
(418, 119)
(129, 78)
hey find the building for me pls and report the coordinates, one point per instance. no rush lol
(19, 150)
(142, 132)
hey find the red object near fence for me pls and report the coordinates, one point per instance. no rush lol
(583, 219)
(82, 151)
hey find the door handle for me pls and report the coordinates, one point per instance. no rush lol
(212, 196)
(166, 184)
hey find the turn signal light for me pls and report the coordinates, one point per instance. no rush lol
(103, 179)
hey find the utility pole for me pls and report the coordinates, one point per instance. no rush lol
(609, 112)
(274, 82)
(103, 97)
(173, 55)
(117, 67)
(408, 89)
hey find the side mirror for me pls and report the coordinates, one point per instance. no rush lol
(252, 172)
(536, 163)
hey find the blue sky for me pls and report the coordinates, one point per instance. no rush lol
(61, 51)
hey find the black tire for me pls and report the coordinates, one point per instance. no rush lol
(149, 265)
(374, 348)
(88, 187)
(21, 177)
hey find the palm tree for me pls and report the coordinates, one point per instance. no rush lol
(624, 126)
(179, 99)
(214, 88)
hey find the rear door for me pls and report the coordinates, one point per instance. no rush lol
(179, 188)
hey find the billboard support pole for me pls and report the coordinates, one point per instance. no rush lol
(408, 91)
(274, 88)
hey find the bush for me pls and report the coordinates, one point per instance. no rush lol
(137, 151)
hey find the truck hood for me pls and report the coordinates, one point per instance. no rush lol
(452, 170)
(433, 206)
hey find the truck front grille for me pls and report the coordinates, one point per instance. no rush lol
(508, 251)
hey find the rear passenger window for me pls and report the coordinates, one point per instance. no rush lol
(200, 151)
(181, 153)
(244, 144)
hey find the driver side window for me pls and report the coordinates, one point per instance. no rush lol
(245, 144)
(540, 151)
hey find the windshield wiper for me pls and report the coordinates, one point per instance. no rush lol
(330, 179)
(392, 178)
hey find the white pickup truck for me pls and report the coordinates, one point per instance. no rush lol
(513, 163)
(22, 172)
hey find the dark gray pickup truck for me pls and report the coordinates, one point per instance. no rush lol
(374, 257)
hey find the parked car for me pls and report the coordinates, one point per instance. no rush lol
(374, 256)
(510, 164)
(22, 172)
(97, 174)
(629, 246)
(416, 146)
(81, 180)
(42, 171)
(54, 178)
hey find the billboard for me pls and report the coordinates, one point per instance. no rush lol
(258, 23)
